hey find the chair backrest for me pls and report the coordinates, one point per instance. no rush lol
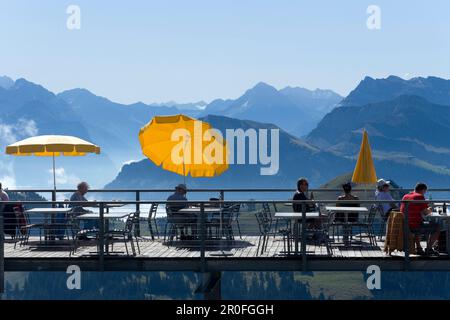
(131, 221)
(266, 210)
(230, 213)
(263, 222)
(374, 210)
(153, 210)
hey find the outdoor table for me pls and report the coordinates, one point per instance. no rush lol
(297, 216)
(113, 205)
(48, 212)
(106, 217)
(346, 211)
(207, 210)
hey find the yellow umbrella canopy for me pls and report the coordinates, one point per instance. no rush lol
(364, 172)
(184, 145)
(52, 146)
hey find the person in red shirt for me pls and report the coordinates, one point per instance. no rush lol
(418, 223)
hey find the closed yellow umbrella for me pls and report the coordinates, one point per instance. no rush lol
(52, 146)
(364, 172)
(184, 145)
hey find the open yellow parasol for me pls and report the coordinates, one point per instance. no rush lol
(184, 145)
(52, 146)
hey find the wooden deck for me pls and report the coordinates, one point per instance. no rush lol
(237, 255)
(238, 248)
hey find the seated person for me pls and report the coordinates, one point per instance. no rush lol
(79, 196)
(179, 196)
(301, 194)
(180, 202)
(351, 216)
(418, 222)
(383, 193)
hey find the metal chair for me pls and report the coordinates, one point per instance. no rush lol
(367, 225)
(175, 225)
(224, 221)
(152, 220)
(77, 234)
(125, 235)
(264, 229)
(24, 230)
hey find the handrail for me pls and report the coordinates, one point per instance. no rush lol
(221, 189)
(128, 202)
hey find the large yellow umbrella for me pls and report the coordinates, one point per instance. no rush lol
(184, 145)
(52, 146)
(364, 172)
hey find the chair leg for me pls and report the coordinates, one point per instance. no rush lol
(137, 245)
(239, 229)
(133, 250)
(156, 227)
(150, 228)
(259, 244)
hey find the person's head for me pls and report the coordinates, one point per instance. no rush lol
(83, 187)
(421, 188)
(383, 185)
(181, 188)
(347, 187)
(302, 185)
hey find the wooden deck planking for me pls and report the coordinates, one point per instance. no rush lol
(241, 248)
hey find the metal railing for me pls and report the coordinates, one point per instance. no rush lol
(213, 229)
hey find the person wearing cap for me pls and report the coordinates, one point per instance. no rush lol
(383, 194)
(180, 196)
(189, 220)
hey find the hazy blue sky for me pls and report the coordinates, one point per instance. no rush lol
(203, 49)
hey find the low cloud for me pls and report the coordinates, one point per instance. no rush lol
(63, 178)
(10, 133)
(128, 162)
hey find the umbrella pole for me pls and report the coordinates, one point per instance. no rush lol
(54, 174)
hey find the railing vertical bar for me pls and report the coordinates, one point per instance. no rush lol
(304, 265)
(222, 195)
(138, 212)
(2, 256)
(202, 237)
(101, 239)
(406, 236)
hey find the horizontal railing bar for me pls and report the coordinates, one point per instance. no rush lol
(214, 190)
(90, 203)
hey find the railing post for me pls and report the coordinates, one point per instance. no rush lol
(202, 237)
(222, 195)
(406, 233)
(304, 266)
(54, 198)
(101, 244)
(137, 230)
(2, 256)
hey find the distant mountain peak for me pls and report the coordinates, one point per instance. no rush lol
(369, 90)
(6, 82)
(262, 87)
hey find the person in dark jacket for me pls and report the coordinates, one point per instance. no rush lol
(302, 194)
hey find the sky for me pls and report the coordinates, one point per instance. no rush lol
(186, 51)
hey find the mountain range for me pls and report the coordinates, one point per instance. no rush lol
(407, 122)
(297, 110)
